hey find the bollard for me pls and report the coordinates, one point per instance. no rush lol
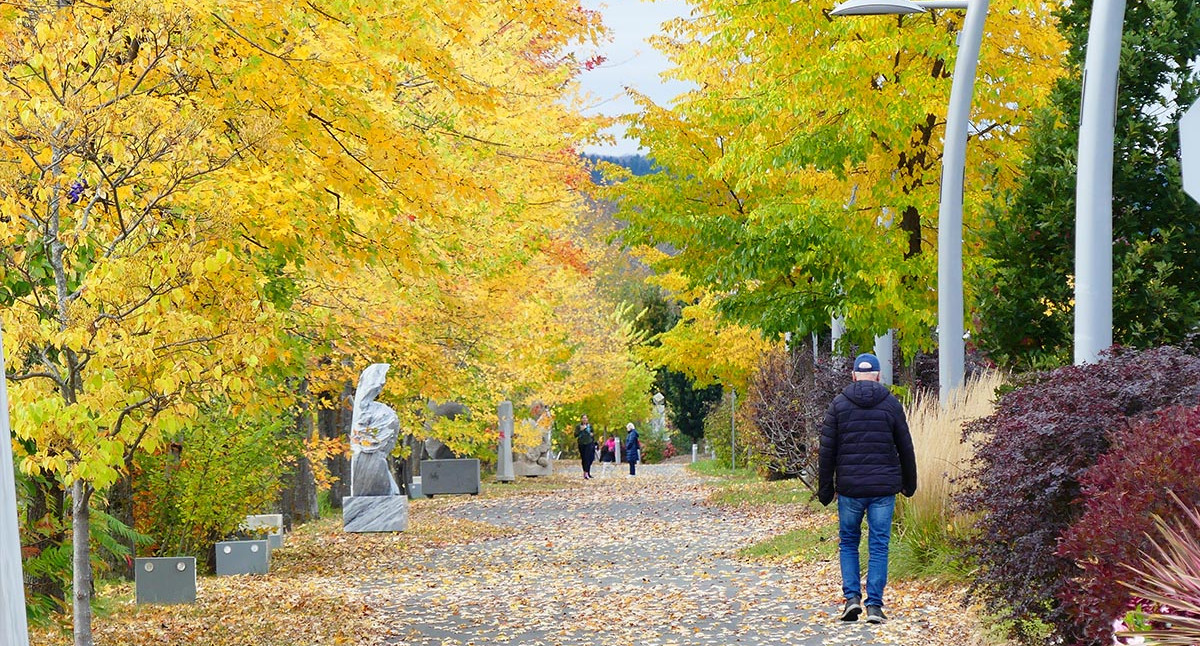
(694, 448)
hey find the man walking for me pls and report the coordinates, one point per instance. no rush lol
(866, 459)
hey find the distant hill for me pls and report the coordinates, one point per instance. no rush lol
(637, 164)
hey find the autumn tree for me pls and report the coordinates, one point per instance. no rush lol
(488, 276)
(124, 306)
(800, 174)
(196, 185)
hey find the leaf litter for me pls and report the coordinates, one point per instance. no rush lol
(616, 560)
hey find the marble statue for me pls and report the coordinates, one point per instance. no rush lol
(659, 422)
(373, 432)
(536, 460)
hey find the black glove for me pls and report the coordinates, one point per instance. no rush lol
(908, 493)
(825, 496)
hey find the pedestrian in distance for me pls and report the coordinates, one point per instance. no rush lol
(866, 458)
(586, 440)
(608, 450)
(633, 448)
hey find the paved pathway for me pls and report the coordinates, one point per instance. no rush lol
(621, 561)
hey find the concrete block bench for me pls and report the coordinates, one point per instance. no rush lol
(460, 476)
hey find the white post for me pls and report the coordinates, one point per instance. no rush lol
(1093, 184)
(694, 447)
(837, 329)
(951, 353)
(816, 356)
(884, 350)
(13, 629)
(732, 430)
(504, 457)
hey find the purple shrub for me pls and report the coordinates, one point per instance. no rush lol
(1150, 460)
(787, 401)
(1024, 482)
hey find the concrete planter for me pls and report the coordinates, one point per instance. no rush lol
(167, 580)
(243, 557)
(449, 477)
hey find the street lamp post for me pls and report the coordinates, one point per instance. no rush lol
(951, 351)
(1094, 182)
(733, 428)
(13, 629)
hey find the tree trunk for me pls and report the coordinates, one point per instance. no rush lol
(333, 421)
(910, 223)
(81, 592)
(298, 499)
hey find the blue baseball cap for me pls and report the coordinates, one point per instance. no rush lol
(866, 362)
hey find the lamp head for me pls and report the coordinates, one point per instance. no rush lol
(876, 8)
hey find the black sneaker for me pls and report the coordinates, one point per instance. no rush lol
(852, 609)
(875, 615)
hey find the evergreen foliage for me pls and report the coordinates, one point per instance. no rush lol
(687, 404)
(637, 165)
(1027, 304)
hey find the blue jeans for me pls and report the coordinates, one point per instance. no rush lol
(879, 533)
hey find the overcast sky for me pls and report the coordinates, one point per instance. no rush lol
(631, 61)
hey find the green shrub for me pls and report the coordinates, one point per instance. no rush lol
(196, 490)
(717, 435)
(653, 449)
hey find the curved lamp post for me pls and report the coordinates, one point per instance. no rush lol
(951, 353)
(1094, 182)
(1093, 185)
(13, 629)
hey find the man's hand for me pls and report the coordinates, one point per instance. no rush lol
(908, 493)
(825, 497)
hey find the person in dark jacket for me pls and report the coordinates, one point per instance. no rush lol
(586, 440)
(866, 459)
(633, 448)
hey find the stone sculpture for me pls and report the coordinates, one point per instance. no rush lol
(373, 431)
(536, 460)
(373, 504)
(659, 422)
(434, 449)
(504, 456)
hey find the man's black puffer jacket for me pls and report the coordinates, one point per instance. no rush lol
(866, 450)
